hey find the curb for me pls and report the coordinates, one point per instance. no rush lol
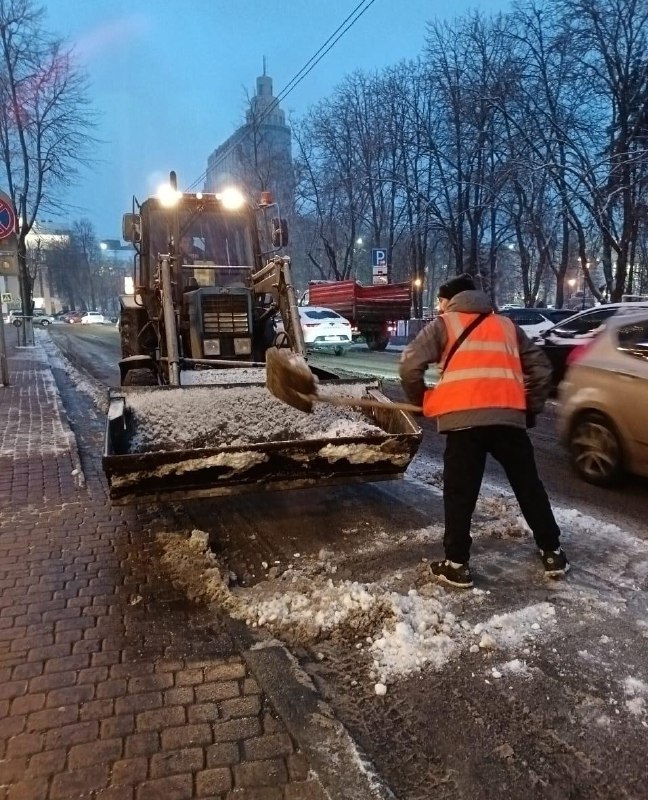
(75, 457)
(343, 770)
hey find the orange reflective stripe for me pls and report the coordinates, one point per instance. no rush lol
(485, 372)
(482, 372)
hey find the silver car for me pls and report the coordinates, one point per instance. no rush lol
(603, 402)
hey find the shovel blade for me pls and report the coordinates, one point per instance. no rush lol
(289, 379)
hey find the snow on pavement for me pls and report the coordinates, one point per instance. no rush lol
(84, 383)
(400, 623)
(19, 440)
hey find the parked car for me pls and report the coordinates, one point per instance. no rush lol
(42, 318)
(92, 318)
(558, 314)
(323, 329)
(39, 317)
(533, 321)
(602, 401)
(576, 331)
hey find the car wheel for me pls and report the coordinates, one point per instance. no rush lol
(595, 449)
(45, 323)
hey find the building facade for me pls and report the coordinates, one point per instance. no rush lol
(257, 156)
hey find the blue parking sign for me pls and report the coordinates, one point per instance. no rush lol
(378, 257)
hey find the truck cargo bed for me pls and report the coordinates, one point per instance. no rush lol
(201, 441)
(390, 301)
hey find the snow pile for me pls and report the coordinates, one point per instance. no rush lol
(510, 630)
(398, 634)
(515, 666)
(192, 418)
(636, 692)
(315, 611)
(424, 633)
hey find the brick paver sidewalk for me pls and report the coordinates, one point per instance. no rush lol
(112, 686)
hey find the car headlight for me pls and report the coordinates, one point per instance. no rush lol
(212, 347)
(242, 347)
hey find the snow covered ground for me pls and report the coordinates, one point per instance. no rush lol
(402, 624)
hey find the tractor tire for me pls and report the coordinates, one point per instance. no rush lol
(140, 377)
(134, 340)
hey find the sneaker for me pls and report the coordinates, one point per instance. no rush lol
(555, 564)
(447, 572)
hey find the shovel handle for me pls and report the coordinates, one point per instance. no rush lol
(365, 403)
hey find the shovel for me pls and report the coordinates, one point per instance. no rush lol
(289, 378)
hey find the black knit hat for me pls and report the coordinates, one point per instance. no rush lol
(462, 283)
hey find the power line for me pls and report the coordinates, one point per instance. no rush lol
(314, 60)
(308, 67)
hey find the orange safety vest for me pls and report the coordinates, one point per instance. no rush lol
(485, 372)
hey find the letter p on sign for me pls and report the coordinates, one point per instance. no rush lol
(379, 257)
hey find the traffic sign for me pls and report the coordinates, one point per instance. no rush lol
(6, 297)
(7, 219)
(378, 257)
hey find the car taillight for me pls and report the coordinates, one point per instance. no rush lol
(579, 351)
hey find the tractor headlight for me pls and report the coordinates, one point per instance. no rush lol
(231, 198)
(168, 196)
(242, 347)
(212, 347)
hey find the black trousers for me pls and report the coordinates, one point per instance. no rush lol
(463, 470)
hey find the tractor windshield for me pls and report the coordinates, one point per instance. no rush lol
(207, 237)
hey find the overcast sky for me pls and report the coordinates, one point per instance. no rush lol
(168, 77)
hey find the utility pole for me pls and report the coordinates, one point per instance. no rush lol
(7, 232)
(4, 365)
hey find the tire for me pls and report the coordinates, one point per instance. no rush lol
(377, 342)
(338, 351)
(595, 449)
(44, 323)
(140, 377)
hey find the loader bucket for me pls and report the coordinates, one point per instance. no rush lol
(177, 443)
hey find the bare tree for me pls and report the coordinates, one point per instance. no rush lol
(45, 120)
(84, 241)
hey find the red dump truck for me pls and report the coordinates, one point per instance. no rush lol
(372, 310)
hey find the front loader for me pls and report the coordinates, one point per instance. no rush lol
(193, 417)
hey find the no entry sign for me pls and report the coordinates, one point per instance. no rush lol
(7, 219)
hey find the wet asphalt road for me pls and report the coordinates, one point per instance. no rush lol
(572, 725)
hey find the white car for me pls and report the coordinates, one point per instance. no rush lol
(323, 329)
(533, 321)
(603, 399)
(92, 317)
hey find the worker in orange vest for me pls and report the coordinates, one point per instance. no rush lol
(494, 381)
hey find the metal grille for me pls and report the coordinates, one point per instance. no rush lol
(225, 313)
